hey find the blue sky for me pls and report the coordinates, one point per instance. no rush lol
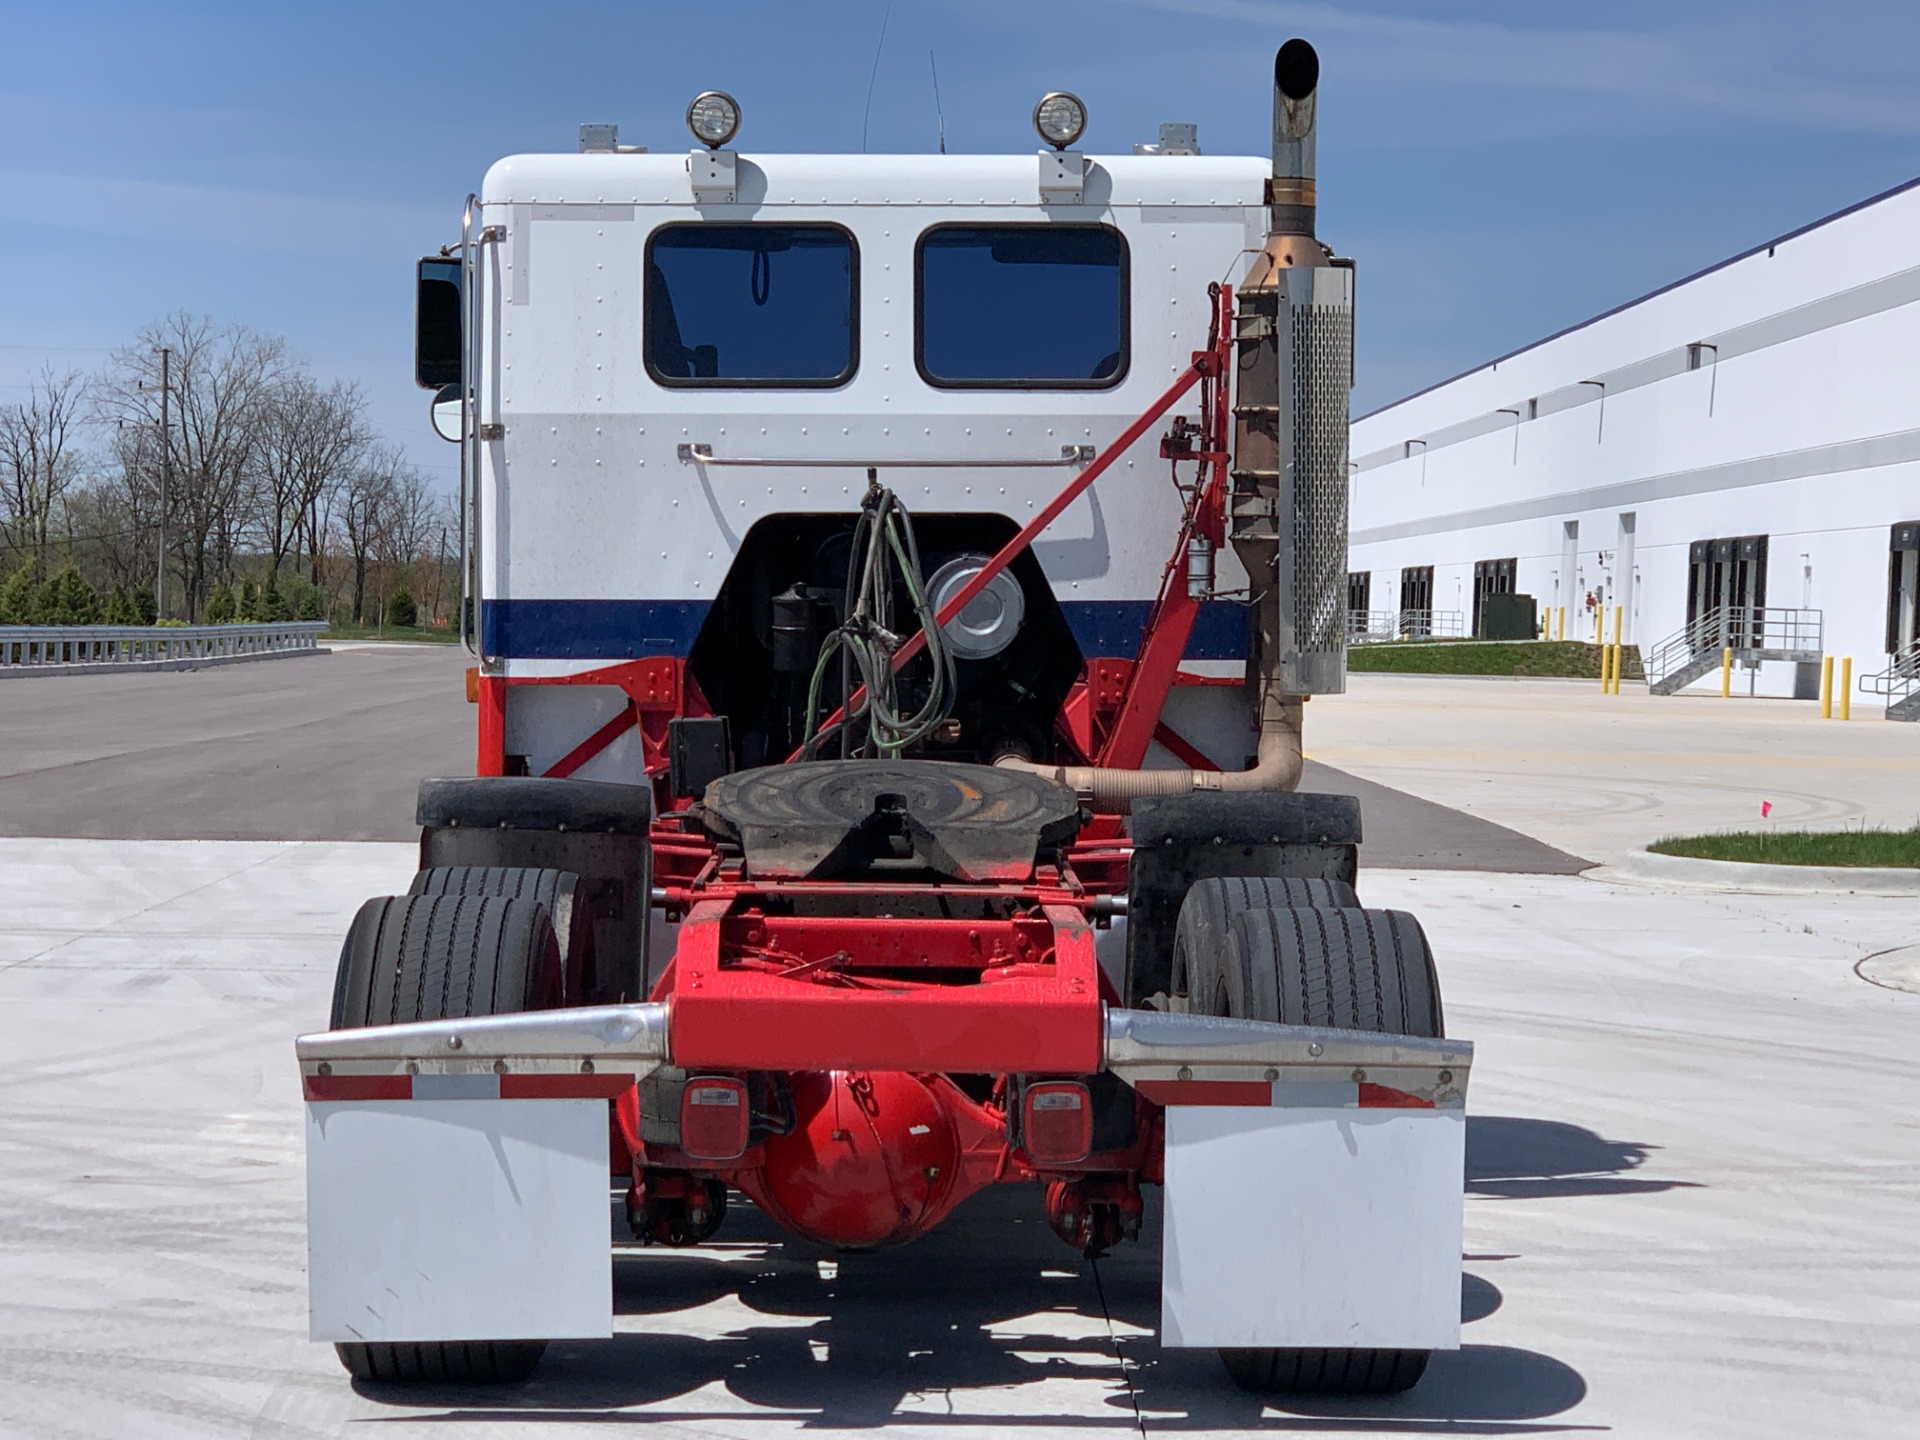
(1499, 170)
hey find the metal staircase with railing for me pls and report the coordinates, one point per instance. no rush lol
(1752, 632)
(1899, 682)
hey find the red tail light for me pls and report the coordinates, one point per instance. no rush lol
(714, 1117)
(1056, 1122)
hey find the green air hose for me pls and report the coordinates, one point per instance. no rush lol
(864, 644)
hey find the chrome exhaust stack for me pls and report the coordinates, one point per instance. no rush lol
(1287, 503)
(1288, 509)
(1296, 88)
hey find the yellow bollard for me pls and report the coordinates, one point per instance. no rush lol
(1560, 613)
(1846, 687)
(1599, 624)
(1826, 688)
(1605, 657)
(1726, 672)
(1618, 612)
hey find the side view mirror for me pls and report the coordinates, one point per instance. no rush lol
(438, 309)
(445, 413)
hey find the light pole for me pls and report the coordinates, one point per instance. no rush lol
(166, 483)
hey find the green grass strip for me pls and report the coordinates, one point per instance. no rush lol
(1566, 659)
(435, 634)
(1880, 849)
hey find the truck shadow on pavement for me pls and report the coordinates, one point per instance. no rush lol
(989, 1322)
(1515, 1158)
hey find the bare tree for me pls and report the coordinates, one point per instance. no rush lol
(413, 519)
(39, 461)
(364, 508)
(222, 383)
(309, 440)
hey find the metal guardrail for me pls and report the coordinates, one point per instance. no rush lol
(50, 647)
(1375, 627)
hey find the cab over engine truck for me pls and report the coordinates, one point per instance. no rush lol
(894, 584)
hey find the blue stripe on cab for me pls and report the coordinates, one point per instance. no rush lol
(635, 629)
(1114, 627)
(589, 629)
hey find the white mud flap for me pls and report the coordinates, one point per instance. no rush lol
(458, 1219)
(1313, 1226)
(1314, 1180)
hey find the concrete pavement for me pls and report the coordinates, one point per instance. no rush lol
(1693, 1156)
(1598, 775)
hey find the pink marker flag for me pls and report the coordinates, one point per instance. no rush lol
(1766, 808)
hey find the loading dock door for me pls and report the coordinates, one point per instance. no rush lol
(1722, 575)
(1416, 600)
(1491, 577)
(1903, 587)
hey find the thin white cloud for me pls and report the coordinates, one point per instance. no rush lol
(251, 220)
(1757, 64)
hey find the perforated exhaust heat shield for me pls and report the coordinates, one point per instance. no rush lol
(1290, 469)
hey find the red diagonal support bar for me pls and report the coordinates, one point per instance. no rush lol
(594, 743)
(1204, 362)
(1164, 642)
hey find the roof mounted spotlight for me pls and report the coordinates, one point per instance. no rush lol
(1060, 118)
(714, 118)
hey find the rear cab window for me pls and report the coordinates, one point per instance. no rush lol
(1024, 306)
(752, 306)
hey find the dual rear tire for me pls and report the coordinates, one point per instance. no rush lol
(481, 944)
(1303, 952)
(447, 1362)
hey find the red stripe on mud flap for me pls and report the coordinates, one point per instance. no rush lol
(358, 1087)
(564, 1087)
(1207, 1092)
(1383, 1097)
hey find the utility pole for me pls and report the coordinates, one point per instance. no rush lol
(166, 483)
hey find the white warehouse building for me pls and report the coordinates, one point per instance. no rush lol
(1731, 460)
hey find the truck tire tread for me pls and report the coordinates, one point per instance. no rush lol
(454, 1362)
(433, 957)
(1326, 1372)
(560, 891)
(1348, 968)
(1210, 906)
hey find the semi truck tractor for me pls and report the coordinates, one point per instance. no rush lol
(894, 587)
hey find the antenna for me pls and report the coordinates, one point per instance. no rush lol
(885, 15)
(937, 113)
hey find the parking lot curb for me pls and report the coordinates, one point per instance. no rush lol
(1644, 867)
